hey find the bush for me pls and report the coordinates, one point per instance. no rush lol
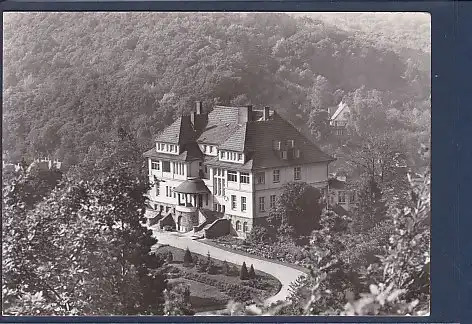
(251, 273)
(212, 269)
(169, 257)
(243, 274)
(225, 268)
(234, 271)
(188, 257)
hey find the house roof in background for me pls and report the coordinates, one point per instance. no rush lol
(338, 111)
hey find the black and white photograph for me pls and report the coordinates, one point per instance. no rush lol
(216, 163)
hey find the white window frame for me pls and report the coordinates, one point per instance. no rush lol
(262, 204)
(276, 175)
(234, 204)
(244, 177)
(272, 200)
(155, 165)
(259, 176)
(243, 204)
(233, 175)
(297, 173)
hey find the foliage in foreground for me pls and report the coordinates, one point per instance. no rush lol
(80, 251)
(397, 284)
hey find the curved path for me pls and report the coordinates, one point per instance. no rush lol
(284, 274)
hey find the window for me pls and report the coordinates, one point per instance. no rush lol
(238, 226)
(233, 202)
(296, 153)
(243, 203)
(215, 206)
(352, 197)
(167, 191)
(157, 188)
(240, 157)
(223, 186)
(276, 176)
(261, 204)
(222, 154)
(204, 148)
(245, 229)
(284, 155)
(339, 131)
(232, 176)
(244, 178)
(277, 145)
(260, 178)
(166, 166)
(291, 143)
(341, 197)
(155, 165)
(219, 187)
(173, 190)
(297, 173)
(211, 149)
(272, 201)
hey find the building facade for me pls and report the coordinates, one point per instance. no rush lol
(230, 163)
(339, 119)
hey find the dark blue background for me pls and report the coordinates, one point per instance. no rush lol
(451, 145)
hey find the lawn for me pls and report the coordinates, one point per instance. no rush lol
(228, 286)
(203, 297)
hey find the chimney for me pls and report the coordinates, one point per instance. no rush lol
(244, 114)
(266, 113)
(198, 107)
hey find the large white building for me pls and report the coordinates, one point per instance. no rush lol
(225, 168)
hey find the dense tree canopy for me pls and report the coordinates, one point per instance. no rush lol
(72, 79)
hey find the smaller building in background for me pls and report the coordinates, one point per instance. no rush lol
(339, 119)
(340, 195)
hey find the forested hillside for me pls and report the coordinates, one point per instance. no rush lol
(72, 79)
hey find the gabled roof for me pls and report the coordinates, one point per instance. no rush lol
(237, 141)
(179, 132)
(338, 111)
(229, 129)
(223, 121)
(260, 137)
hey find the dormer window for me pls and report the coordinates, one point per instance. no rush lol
(204, 148)
(291, 143)
(277, 145)
(211, 149)
(223, 154)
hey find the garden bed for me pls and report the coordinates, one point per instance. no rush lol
(260, 252)
(203, 297)
(226, 282)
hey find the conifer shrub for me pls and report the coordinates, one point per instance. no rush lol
(243, 274)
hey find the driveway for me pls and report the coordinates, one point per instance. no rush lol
(284, 274)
